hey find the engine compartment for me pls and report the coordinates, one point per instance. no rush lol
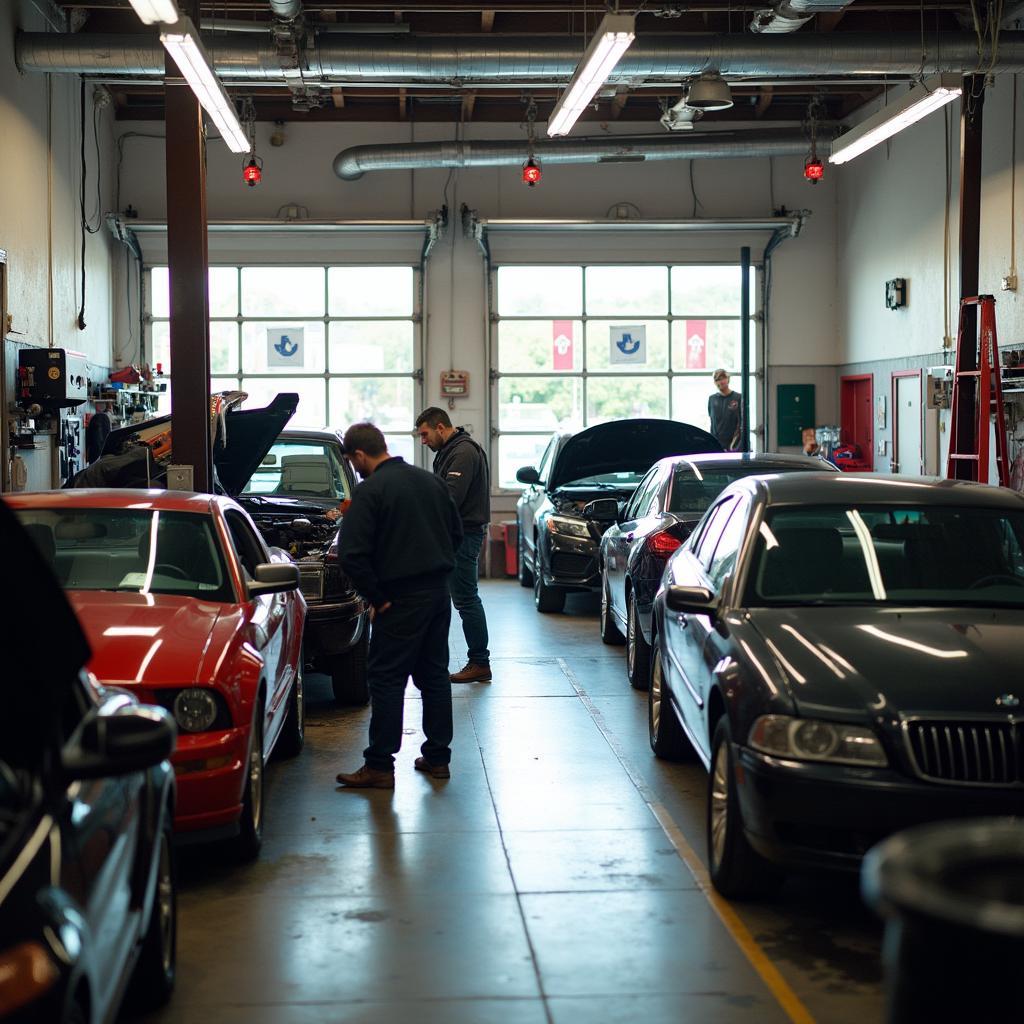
(304, 538)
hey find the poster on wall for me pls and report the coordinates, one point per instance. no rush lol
(696, 344)
(628, 344)
(285, 346)
(562, 354)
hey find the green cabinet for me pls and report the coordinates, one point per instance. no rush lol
(795, 410)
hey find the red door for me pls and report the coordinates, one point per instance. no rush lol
(856, 415)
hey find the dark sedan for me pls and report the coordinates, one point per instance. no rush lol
(558, 537)
(663, 511)
(843, 654)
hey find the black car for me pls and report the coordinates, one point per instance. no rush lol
(663, 511)
(559, 536)
(843, 654)
(286, 480)
(87, 883)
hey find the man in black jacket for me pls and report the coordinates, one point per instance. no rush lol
(397, 544)
(461, 463)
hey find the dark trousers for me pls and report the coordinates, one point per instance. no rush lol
(466, 595)
(410, 639)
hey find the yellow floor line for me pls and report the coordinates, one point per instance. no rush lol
(784, 995)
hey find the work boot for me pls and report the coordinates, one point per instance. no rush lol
(367, 778)
(435, 771)
(471, 673)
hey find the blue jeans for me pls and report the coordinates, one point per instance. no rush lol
(466, 596)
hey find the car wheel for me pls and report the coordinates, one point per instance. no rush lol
(638, 650)
(250, 834)
(547, 599)
(610, 633)
(348, 674)
(668, 741)
(525, 576)
(153, 979)
(737, 870)
(293, 733)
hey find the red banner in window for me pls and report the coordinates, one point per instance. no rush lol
(696, 344)
(561, 345)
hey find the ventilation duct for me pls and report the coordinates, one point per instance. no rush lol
(789, 15)
(286, 10)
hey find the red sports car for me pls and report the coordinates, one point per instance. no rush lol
(184, 605)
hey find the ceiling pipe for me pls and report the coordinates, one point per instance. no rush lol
(789, 15)
(352, 163)
(511, 59)
(286, 10)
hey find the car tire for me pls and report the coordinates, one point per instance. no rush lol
(610, 632)
(668, 741)
(638, 650)
(547, 599)
(152, 981)
(525, 576)
(348, 675)
(246, 845)
(737, 870)
(293, 733)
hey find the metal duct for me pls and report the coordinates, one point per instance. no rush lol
(352, 163)
(509, 58)
(286, 10)
(789, 15)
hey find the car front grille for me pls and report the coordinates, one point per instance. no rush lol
(311, 581)
(567, 564)
(984, 753)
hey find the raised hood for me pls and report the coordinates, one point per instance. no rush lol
(627, 446)
(251, 433)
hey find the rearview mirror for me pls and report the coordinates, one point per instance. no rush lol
(274, 578)
(602, 508)
(528, 475)
(132, 739)
(691, 601)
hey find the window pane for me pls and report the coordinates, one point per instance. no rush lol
(722, 348)
(540, 403)
(380, 346)
(223, 346)
(544, 345)
(283, 291)
(301, 353)
(159, 292)
(603, 334)
(310, 412)
(608, 398)
(223, 285)
(540, 291)
(370, 291)
(300, 468)
(617, 290)
(387, 402)
(690, 400)
(403, 445)
(516, 451)
(709, 291)
(160, 345)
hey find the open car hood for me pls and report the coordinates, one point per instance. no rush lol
(627, 446)
(244, 436)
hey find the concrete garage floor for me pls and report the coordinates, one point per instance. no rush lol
(536, 886)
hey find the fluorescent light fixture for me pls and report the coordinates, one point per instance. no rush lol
(154, 12)
(919, 102)
(182, 42)
(610, 42)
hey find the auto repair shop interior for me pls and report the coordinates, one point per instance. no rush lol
(750, 750)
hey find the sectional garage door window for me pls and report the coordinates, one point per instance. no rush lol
(344, 338)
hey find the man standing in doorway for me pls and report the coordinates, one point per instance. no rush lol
(398, 547)
(725, 408)
(461, 463)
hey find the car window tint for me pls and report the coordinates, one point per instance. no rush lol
(705, 546)
(247, 544)
(545, 461)
(637, 506)
(723, 561)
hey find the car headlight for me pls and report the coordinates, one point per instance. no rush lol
(810, 739)
(195, 709)
(568, 527)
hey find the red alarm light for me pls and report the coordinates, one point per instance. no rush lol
(814, 171)
(252, 172)
(531, 173)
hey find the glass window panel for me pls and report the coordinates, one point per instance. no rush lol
(722, 347)
(223, 346)
(257, 346)
(599, 345)
(374, 346)
(311, 411)
(388, 402)
(223, 291)
(403, 445)
(617, 290)
(611, 398)
(160, 345)
(159, 292)
(709, 291)
(690, 400)
(370, 291)
(540, 345)
(516, 451)
(282, 291)
(540, 403)
(540, 291)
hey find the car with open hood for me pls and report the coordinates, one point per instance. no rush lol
(560, 514)
(843, 655)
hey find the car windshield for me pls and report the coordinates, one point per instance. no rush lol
(301, 469)
(694, 488)
(623, 481)
(892, 554)
(142, 550)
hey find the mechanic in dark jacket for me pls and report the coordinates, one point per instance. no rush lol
(397, 544)
(461, 463)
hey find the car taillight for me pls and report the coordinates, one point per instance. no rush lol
(662, 544)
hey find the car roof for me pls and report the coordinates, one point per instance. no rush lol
(117, 497)
(769, 460)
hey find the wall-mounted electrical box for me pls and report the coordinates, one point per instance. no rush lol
(53, 378)
(454, 383)
(896, 293)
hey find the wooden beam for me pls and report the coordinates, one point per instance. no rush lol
(338, 96)
(486, 20)
(828, 22)
(468, 102)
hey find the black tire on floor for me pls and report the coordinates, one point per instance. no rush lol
(525, 576)
(610, 632)
(293, 733)
(348, 674)
(668, 741)
(638, 650)
(547, 599)
(737, 870)
(246, 845)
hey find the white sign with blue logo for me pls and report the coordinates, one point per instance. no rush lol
(285, 346)
(628, 344)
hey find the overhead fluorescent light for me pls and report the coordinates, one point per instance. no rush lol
(610, 42)
(919, 102)
(155, 12)
(182, 42)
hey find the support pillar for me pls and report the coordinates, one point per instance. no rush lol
(745, 347)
